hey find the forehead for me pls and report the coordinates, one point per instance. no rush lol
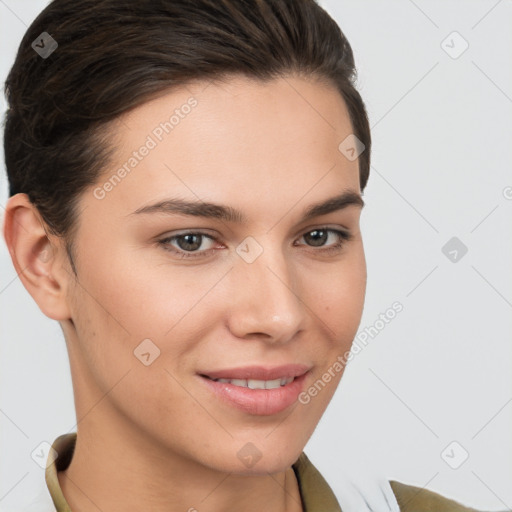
(240, 139)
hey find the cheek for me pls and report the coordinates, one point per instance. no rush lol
(149, 297)
(134, 301)
(118, 312)
(337, 294)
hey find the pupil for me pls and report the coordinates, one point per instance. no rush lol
(316, 239)
(189, 241)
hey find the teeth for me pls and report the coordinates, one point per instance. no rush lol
(258, 384)
(271, 384)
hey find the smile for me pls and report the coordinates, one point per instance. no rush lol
(261, 397)
(257, 384)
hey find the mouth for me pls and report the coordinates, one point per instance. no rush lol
(257, 390)
(255, 383)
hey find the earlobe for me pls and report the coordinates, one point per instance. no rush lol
(36, 256)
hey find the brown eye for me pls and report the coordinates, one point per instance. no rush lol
(319, 237)
(316, 237)
(189, 242)
(188, 245)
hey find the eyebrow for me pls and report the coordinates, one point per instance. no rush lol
(178, 206)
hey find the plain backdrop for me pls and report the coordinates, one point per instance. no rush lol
(428, 400)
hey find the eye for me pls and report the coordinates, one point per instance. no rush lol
(318, 238)
(187, 245)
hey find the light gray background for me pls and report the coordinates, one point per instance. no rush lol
(441, 370)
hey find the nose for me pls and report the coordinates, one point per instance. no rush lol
(266, 301)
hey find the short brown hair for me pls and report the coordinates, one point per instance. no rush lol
(114, 55)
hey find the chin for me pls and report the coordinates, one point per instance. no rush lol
(252, 459)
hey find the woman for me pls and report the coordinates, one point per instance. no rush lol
(186, 183)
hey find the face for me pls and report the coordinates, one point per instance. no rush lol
(168, 295)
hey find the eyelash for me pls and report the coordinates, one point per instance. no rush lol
(344, 236)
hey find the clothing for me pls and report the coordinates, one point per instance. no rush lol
(317, 496)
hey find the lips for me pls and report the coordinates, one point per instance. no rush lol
(254, 399)
(258, 372)
(257, 390)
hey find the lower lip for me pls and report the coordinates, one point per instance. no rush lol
(261, 402)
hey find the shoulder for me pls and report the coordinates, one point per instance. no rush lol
(393, 496)
(416, 499)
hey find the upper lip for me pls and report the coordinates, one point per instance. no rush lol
(258, 372)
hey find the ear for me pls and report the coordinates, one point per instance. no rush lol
(40, 259)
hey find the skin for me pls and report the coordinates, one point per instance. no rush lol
(155, 437)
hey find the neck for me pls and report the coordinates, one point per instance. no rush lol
(115, 469)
